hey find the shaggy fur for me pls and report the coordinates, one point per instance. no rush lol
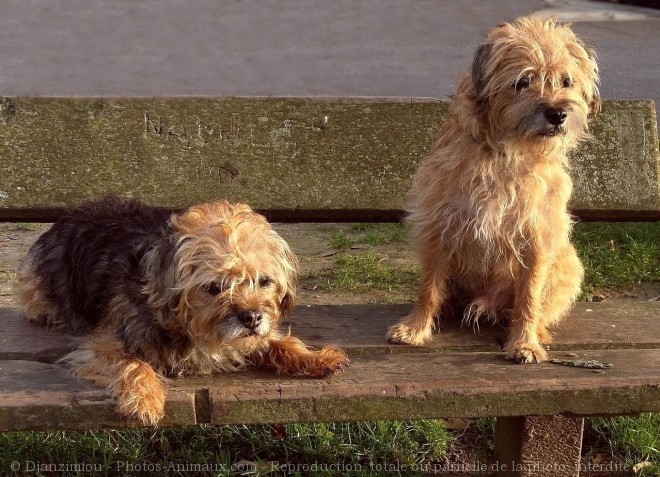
(159, 295)
(489, 204)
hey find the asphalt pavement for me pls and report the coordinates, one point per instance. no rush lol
(293, 47)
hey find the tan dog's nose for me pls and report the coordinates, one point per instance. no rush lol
(556, 116)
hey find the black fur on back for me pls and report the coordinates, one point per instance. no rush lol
(92, 253)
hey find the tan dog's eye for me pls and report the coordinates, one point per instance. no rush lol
(567, 83)
(214, 288)
(522, 83)
(264, 282)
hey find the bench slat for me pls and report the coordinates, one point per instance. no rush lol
(39, 396)
(441, 385)
(296, 159)
(361, 330)
(394, 386)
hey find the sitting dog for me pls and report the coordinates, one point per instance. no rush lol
(160, 295)
(489, 204)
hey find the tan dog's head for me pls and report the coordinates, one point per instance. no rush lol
(225, 275)
(532, 82)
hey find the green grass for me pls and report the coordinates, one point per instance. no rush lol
(368, 234)
(26, 226)
(359, 273)
(6, 275)
(263, 449)
(617, 255)
(631, 440)
(367, 271)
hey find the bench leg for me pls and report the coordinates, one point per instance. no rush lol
(538, 446)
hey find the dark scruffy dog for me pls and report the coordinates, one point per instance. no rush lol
(489, 204)
(160, 295)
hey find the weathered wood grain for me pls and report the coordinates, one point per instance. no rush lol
(37, 396)
(439, 385)
(361, 330)
(395, 386)
(296, 159)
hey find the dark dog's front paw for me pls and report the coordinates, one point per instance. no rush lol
(330, 360)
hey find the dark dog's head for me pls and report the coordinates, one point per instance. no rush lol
(227, 276)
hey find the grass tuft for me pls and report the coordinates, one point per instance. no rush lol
(368, 271)
(632, 440)
(368, 234)
(364, 272)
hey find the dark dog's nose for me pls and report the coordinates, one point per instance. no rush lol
(556, 116)
(250, 318)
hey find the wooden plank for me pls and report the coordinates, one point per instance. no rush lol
(395, 386)
(296, 159)
(361, 330)
(22, 340)
(35, 396)
(440, 385)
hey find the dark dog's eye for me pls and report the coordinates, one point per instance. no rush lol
(567, 83)
(522, 83)
(264, 282)
(214, 288)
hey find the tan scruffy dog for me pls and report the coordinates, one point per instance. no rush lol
(163, 295)
(489, 204)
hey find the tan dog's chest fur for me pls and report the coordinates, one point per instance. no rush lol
(486, 223)
(489, 204)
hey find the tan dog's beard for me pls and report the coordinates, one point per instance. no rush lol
(526, 125)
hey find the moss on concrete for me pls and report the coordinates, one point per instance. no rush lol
(274, 153)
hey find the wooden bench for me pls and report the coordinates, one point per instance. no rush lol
(334, 160)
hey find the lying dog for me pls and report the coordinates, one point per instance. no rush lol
(160, 295)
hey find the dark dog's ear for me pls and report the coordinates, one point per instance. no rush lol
(479, 73)
(158, 272)
(287, 304)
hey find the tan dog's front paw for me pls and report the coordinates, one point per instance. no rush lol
(527, 353)
(403, 334)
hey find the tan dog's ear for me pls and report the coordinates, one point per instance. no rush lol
(595, 102)
(479, 74)
(586, 60)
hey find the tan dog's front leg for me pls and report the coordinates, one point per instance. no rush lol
(289, 355)
(523, 345)
(417, 327)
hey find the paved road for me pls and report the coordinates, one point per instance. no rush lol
(291, 47)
